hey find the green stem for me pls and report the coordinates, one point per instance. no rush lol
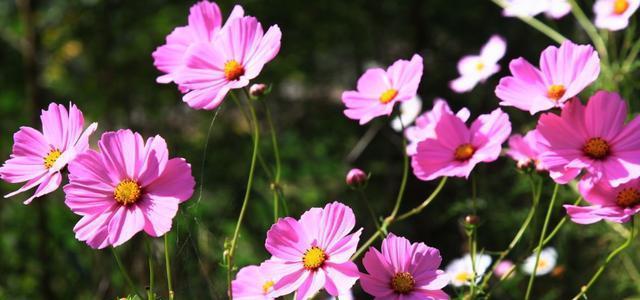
(426, 202)
(124, 273)
(247, 194)
(276, 188)
(150, 293)
(167, 263)
(584, 289)
(535, 197)
(633, 53)
(591, 31)
(471, 234)
(536, 24)
(542, 235)
(405, 175)
(556, 229)
(363, 198)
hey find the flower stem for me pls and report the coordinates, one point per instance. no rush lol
(591, 30)
(536, 24)
(419, 208)
(150, 293)
(276, 188)
(556, 229)
(536, 187)
(542, 235)
(363, 197)
(124, 273)
(613, 254)
(405, 176)
(167, 263)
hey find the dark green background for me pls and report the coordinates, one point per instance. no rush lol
(98, 55)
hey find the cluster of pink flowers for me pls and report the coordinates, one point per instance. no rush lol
(129, 185)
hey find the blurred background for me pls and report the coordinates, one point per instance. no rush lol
(98, 55)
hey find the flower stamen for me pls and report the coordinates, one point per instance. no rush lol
(628, 197)
(403, 283)
(388, 95)
(314, 258)
(620, 6)
(266, 287)
(127, 192)
(51, 158)
(556, 91)
(233, 70)
(596, 148)
(464, 152)
(479, 66)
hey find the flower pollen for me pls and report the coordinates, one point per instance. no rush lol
(388, 95)
(233, 70)
(314, 258)
(463, 276)
(403, 283)
(266, 287)
(620, 6)
(479, 66)
(464, 152)
(127, 192)
(556, 91)
(628, 197)
(596, 148)
(51, 158)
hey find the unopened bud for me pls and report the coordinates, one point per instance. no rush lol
(504, 269)
(356, 178)
(257, 90)
(472, 219)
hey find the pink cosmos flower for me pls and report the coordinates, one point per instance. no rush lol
(379, 90)
(614, 14)
(478, 68)
(564, 72)
(426, 123)
(254, 283)
(38, 157)
(128, 186)
(524, 150)
(205, 21)
(313, 253)
(592, 138)
(403, 271)
(456, 149)
(237, 54)
(616, 204)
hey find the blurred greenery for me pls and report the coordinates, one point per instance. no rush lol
(98, 55)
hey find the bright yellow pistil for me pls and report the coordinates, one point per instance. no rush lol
(388, 95)
(620, 6)
(127, 192)
(628, 197)
(556, 91)
(542, 263)
(403, 283)
(464, 152)
(233, 70)
(596, 148)
(314, 258)
(463, 276)
(51, 158)
(267, 286)
(479, 66)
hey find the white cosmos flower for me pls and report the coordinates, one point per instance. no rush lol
(346, 296)
(528, 8)
(548, 259)
(461, 270)
(409, 111)
(478, 68)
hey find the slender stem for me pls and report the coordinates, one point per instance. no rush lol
(633, 53)
(591, 30)
(124, 273)
(542, 234)
(363, 197)
(405, 175)
(150, 293)
(167, 263)
(247, 194)
(584, 289)
(536, 187)
(556, 229)
(276, 188)
(471, 234)
(536, 24)
(388, 221)
(426, 202)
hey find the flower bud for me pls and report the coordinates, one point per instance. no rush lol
(504, 268)
(472, 220)
(356, 178)
(257, 90)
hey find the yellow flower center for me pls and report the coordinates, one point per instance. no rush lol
(464, 152)
(314, 258)
(542, 263)
(596, 148)
(556, 91)
(127, 192)
(620, 6)
(233, 70)
(479, 66)
(628, 197)
(463, 276)
(388, 95)
(267, 286)
(51, 158)
(403, 283)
